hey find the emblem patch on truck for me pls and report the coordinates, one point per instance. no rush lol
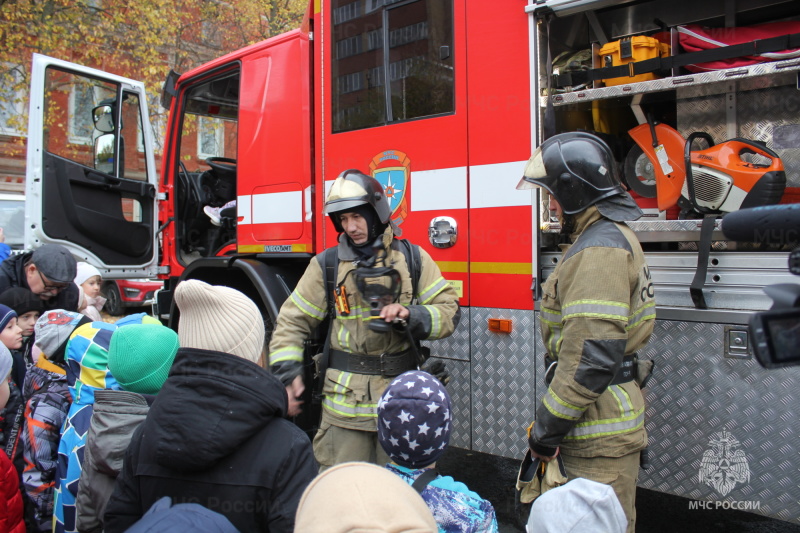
(392, 169)
(724, 465)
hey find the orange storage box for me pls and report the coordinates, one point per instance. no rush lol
(628, 50)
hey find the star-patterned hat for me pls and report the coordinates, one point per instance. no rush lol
(414, 419)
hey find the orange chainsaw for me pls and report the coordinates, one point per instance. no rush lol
(722, 178)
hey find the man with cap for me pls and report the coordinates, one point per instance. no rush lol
(376, 321)
(414, 424)
(598, 310)
(48, 272)
(217, 435)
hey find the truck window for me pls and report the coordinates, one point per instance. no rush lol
(69, 100)
(73, 103)
(206, 173)
(390, 62)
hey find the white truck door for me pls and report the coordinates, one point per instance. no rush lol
(91, 179)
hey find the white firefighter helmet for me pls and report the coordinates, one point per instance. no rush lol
(352, 189)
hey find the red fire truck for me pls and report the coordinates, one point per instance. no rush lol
(442, 101)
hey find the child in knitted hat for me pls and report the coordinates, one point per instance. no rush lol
(139, 357)
(414, 423)
(361, 497)
(10, 332)
(10, 496)
(89, 280)
(86, 356)
(47, 400)
(579, 505)
(29, 308)
(219, 421)
(11, 412)
(202, 304)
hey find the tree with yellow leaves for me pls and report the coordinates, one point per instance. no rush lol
(140, 40)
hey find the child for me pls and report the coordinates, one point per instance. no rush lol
(88, 279)
(414, 429)
(579, 505)
(11, 413)
(29, 308)
(47, 401)
(86, 358)
(10, 496)
(216, 213)
(361, 497)
(139, 357)
(218, 422)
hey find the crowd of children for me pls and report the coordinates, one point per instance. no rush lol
(129, 426)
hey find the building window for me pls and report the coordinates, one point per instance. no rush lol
(82, 99)
(348, 47)
(12, 101)
(350, 83)
(408, 34)
(375, 39)
(210, 138)
(406, 72)
(373, 5)
(347, 12)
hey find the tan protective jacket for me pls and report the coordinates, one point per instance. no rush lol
(350, 399)
(597, 306)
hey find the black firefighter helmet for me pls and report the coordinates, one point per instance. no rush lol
(577, 168)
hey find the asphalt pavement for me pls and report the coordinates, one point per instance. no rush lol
(493, 478)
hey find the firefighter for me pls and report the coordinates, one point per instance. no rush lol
(374, 325)
(597, 311)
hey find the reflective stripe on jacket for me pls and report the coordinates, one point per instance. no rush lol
(350, 399)
(597, 306)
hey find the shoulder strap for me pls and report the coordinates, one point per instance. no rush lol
(329, 261)
(330, 269)
(424, 479)
(414, 262)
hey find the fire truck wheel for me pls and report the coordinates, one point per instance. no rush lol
(639, 174)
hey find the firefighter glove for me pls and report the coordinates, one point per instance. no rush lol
(436, 367)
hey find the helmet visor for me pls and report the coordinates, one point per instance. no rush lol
(534, 171)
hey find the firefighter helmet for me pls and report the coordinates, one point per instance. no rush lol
(577, 168)
(352, 189)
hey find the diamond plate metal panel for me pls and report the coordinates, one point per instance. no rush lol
(455, 349)
(703, 113)
(503, 381)
(758, 113)
(456, 346)
(461, 402)
(731, 412)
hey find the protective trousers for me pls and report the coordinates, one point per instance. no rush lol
(334, 445)
(621, 473)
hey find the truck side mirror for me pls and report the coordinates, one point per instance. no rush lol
(104, 153)
(103, 117)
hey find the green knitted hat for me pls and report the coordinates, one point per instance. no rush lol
(140, 356)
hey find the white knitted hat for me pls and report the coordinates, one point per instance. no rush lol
(214, 317)
(84, 272)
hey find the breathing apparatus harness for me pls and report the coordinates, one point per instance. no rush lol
(377, 295)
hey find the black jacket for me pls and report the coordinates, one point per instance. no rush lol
(216, 436)
(12, 274)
